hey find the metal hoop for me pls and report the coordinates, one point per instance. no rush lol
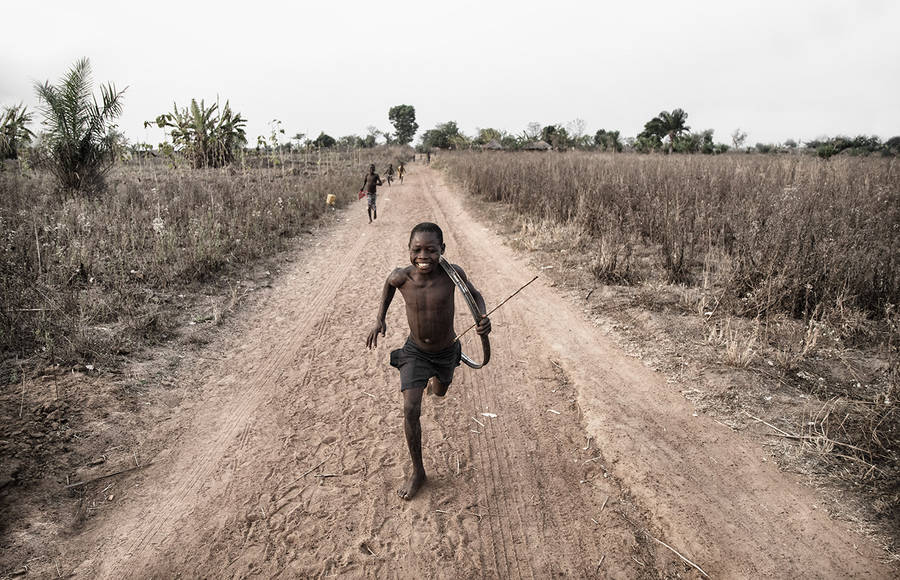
(473, 308)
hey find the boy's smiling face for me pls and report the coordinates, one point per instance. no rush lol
(425, 249)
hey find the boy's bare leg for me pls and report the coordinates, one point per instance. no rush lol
(435, 387)
(412, 409)
(370, 214)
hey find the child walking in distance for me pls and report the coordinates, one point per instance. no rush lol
(401, 169)
(370, 186)
(390, 173)
(431, 352)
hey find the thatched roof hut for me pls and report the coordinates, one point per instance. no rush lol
(537, 146)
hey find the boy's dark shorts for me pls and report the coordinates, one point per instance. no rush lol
(417, 366)
(370, 200)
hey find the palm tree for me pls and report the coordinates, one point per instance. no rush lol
(78, 137)
(672, 124)
(665, 124)
(14, 131)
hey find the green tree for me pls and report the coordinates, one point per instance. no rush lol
(443, 136)
(205, 138)
(666, 125)
(403, 118)
(607, 140)
(78, 141)
(487, 135)
(14, 131)
(324, 141)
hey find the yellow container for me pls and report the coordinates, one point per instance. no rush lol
(331, 199)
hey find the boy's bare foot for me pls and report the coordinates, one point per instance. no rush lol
(412, 486)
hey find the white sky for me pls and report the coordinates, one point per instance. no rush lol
(777, 69)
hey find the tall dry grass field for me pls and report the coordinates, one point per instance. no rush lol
(788, 264)
(86, 277)
(774, 234)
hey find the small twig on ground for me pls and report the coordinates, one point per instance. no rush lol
(553, 362)
(817, 438)
(592, 459)
(474, 431)
(320, 464)
(324, 475)
(674, 551)
(477, 421)
(588, 446)
(554, 411)
(589, 294)
(758, 420)
(457, 464)
(604, 503)
(368, 394)
(22, 404)
(600, 563)
(80, 483)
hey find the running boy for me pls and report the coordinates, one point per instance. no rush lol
(370, 184)
(390, 173)
(401, 169)
(431, 352)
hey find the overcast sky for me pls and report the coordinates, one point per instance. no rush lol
(776, 69)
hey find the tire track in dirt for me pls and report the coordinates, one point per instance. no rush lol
(503, 440)
(709, 492)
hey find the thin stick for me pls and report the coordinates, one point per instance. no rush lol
(674, 551)
(315, 468)
(758, 420)
(37, 244)
(80, 483)
(22, 404)
(604, 503)
(817, 438)
(495, 308)
(477, 421)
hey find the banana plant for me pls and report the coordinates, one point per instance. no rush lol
(14, 131)
(205, 138)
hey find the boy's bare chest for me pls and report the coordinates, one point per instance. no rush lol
(431, 295)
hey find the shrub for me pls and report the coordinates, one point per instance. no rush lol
(78, 142)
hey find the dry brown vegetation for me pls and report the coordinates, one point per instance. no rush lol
(85, 278)
(782, 269)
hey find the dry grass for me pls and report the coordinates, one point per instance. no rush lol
(86, 278)
(779, 274)
(789, 234)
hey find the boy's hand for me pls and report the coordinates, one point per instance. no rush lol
(372, 339)
(484, 326)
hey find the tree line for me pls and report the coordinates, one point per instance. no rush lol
(80, 140)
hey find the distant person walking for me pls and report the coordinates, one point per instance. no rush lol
(370, 187)
(401, 169)
(390, 173)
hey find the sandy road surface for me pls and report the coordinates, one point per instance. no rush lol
(289, 466)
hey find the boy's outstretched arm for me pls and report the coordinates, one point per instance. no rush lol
(484, 325)
(394, 280)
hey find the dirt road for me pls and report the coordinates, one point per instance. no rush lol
(289, 465)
